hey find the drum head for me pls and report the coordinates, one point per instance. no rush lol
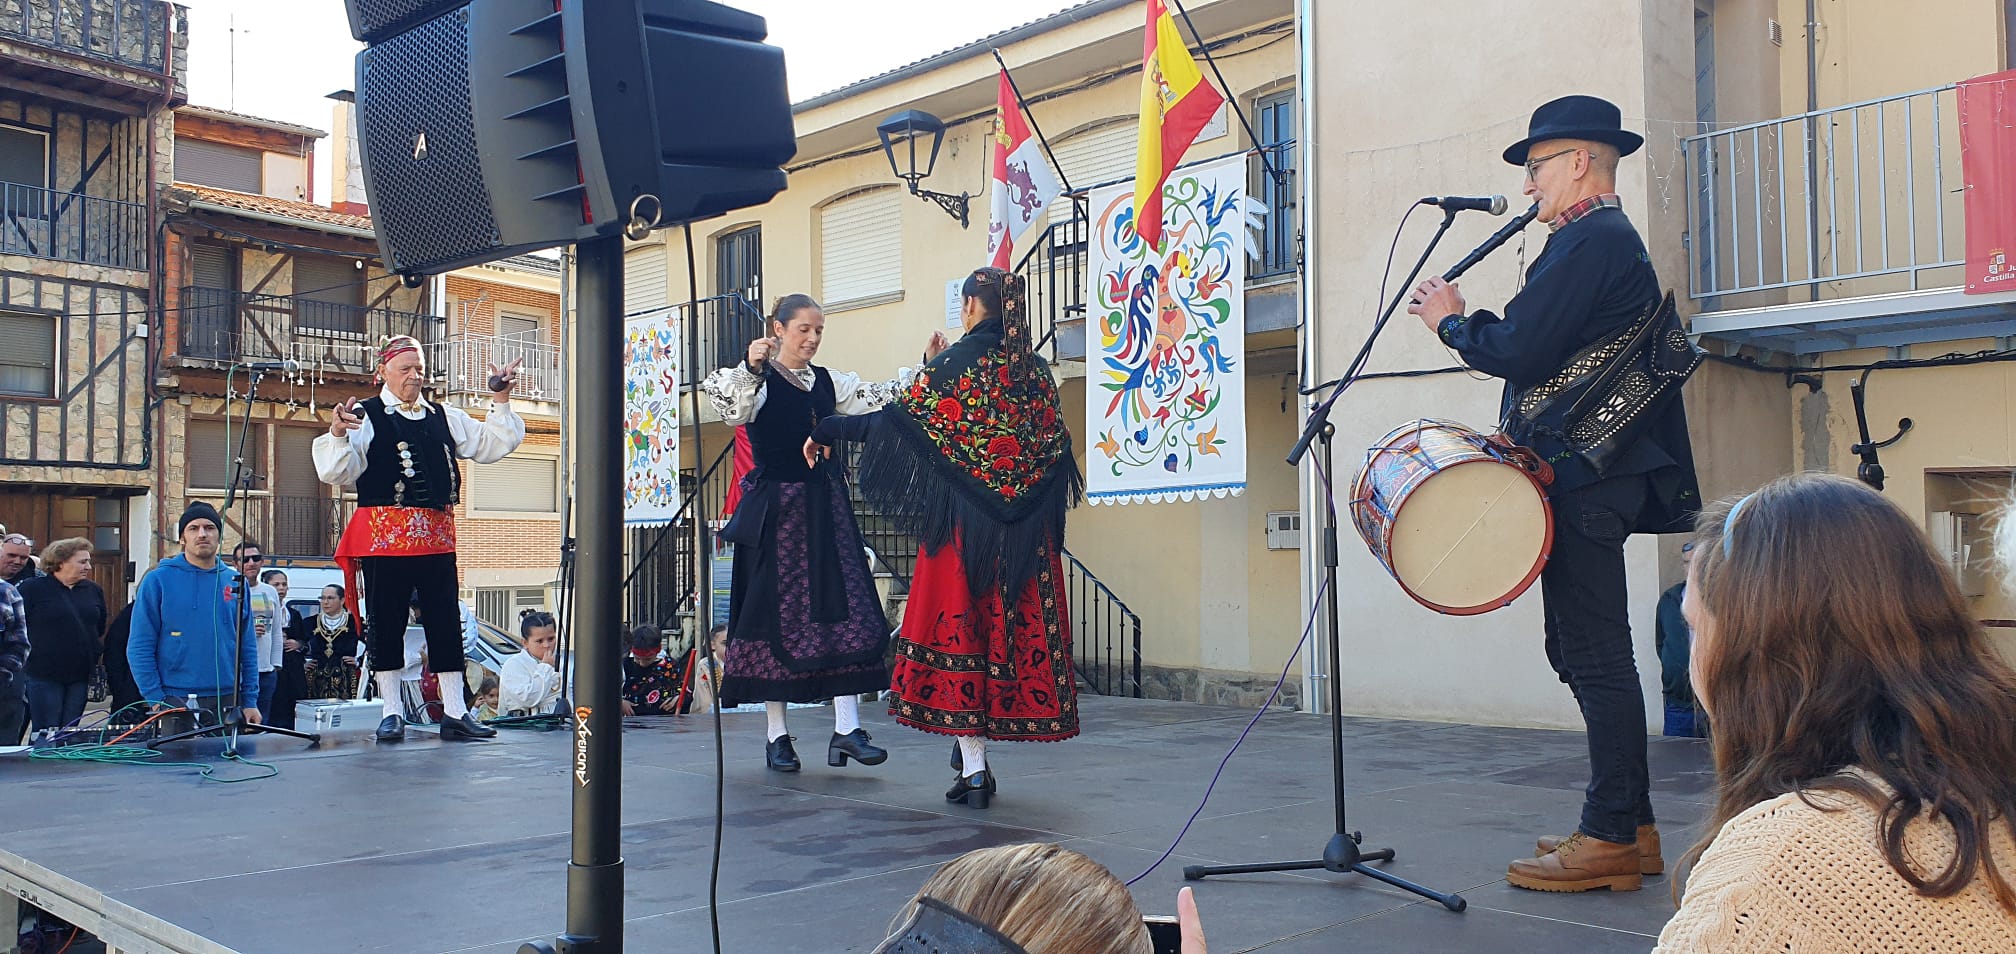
(1471, 537)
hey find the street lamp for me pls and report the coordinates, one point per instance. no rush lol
(910, 132)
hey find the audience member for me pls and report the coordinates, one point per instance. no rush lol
(269, 614)
(330, 642)
(708, 669)
(189, 639)
(1672, 640)
(66, 630)
(1031, 899)
(13, 656)
(486, 698)
(653, 682)
(17, 559)
(530, 683)
(118, 671)
(1864, 736)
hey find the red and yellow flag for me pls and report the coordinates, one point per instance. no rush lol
(1176, 102)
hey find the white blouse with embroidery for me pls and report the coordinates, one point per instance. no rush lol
(737, 393)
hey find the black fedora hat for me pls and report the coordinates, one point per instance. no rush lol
(1576, 117)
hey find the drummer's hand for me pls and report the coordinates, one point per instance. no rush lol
(1435, 300)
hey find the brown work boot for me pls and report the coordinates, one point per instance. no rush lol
(1649, 861)
(1580, 863)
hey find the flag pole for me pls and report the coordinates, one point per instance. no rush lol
(1280, 178)
(1023, 105)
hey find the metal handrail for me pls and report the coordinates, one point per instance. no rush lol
(220, 324)
(74, 26)
(72, 227)
(699, 493)
(1096, 665)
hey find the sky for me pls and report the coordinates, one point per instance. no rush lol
(278, 59)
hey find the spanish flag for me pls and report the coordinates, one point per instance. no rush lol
(1176, 102)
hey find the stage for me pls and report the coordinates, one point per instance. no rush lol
(463, 847)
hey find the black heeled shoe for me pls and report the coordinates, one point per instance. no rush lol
(392, 728)
(466, 728)
(854, 745)
(780, 755)
(974, 789)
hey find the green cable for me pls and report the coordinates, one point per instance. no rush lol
(133, 755)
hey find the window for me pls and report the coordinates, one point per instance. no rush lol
(861, 249)
(28, 355)
(517, 329)
(211, 450)
(218, 165)
(1100, 155)
(500, 607)
(516, 485)
(24, 172)
(644, 291)
(328, 295)
(1274, 124)
(738, 264)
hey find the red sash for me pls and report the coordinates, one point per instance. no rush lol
(390, 531)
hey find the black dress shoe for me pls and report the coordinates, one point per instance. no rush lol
(854, 745)
(974, 789)
(392, 728)
(465, 727)
(780, 755)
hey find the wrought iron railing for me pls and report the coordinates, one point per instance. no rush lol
(1055, 268)
(462, 364)
(1278, 247)
(126, 32)
(219, 324)
(72, 227)
(725, 324)
(662, 576)
(1106, 634)
(1853, 192)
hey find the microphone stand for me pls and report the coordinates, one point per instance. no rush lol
(1343, 853)
(230, 719)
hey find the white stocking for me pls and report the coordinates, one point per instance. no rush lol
(846, 714)
(972, 754)
(388, 692)
(775, 710)
(452, 704)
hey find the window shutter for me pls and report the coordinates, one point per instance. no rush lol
(24, 157)
(329, 279)
(518, 485)
(861, 247)
(215, 164)
(520, 330)
(210, 267)
(295, 465)
(1101, 155)
(644, 288)
(209, 452)
(28, 355)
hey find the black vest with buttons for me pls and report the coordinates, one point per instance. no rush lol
(777, 435)
(409, 463)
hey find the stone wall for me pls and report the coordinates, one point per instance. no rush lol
(96, 420)
(1218, 688)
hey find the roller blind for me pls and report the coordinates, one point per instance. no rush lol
(861, 247)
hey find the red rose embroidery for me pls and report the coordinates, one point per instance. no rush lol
(948, 408)
(1004, 447)
(1004, 375)
(1004, 464)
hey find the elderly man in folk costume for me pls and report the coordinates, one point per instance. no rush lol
(399, 450)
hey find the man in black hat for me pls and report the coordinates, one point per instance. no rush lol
(1593, 280)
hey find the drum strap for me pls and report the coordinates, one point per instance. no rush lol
(1602, 400)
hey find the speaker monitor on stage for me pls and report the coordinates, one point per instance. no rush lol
(494, 127)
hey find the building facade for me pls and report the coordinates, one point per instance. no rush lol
(86, 93)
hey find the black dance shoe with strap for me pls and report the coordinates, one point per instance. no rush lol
(780, 755)
(465, 728)
(854, 745)
(974, 789)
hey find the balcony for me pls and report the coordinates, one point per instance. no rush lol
(70, 227)
(1837, 229)
(726, 324)
(461, 364)
(224, 326)
(288, 526)
(128, 33)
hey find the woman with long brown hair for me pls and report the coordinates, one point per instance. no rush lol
(1864, 736)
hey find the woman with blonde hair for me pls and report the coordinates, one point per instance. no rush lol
(1028, 899)
(66, 633)
(1864, 736)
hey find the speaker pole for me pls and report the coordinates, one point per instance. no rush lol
(595, 874)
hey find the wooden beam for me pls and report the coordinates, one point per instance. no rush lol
(41, 90)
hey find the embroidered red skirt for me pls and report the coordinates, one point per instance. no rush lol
(978, 667)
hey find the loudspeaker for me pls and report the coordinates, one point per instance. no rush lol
(502, 126)
(374, 20)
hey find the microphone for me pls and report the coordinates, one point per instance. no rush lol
(1494, 204)
(289, 365)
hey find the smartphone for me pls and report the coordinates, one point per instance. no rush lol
(1163, 931)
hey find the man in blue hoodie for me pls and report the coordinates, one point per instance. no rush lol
(191, 637)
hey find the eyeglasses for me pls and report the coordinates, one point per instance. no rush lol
(1533, 165)
(17, 538)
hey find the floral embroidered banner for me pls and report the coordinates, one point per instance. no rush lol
(651, 420)
(1165, 393)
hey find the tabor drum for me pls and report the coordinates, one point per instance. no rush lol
(1462, 527)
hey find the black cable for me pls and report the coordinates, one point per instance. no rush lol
(1948, 360)
(703, 591)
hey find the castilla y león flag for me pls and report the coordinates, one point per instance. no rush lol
(1023, 181)
(1176, 102)
(1988, 165)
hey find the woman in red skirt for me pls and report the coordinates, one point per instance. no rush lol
(975, 456)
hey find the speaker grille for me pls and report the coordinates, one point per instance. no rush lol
(414, 85)
(374, 20)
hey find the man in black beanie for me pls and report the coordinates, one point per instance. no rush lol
(190, 643)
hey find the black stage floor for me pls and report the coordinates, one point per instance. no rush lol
(463, 848)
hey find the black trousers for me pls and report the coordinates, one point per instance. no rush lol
(1589, 644)
(392, 586)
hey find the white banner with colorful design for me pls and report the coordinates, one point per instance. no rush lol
(1165, 386)
(651, 420)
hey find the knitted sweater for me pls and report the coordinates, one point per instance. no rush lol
(1786, 877)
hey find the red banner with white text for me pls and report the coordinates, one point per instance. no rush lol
(1988, 168)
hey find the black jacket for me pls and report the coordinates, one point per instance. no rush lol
(1593, 279)
(65, 624)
